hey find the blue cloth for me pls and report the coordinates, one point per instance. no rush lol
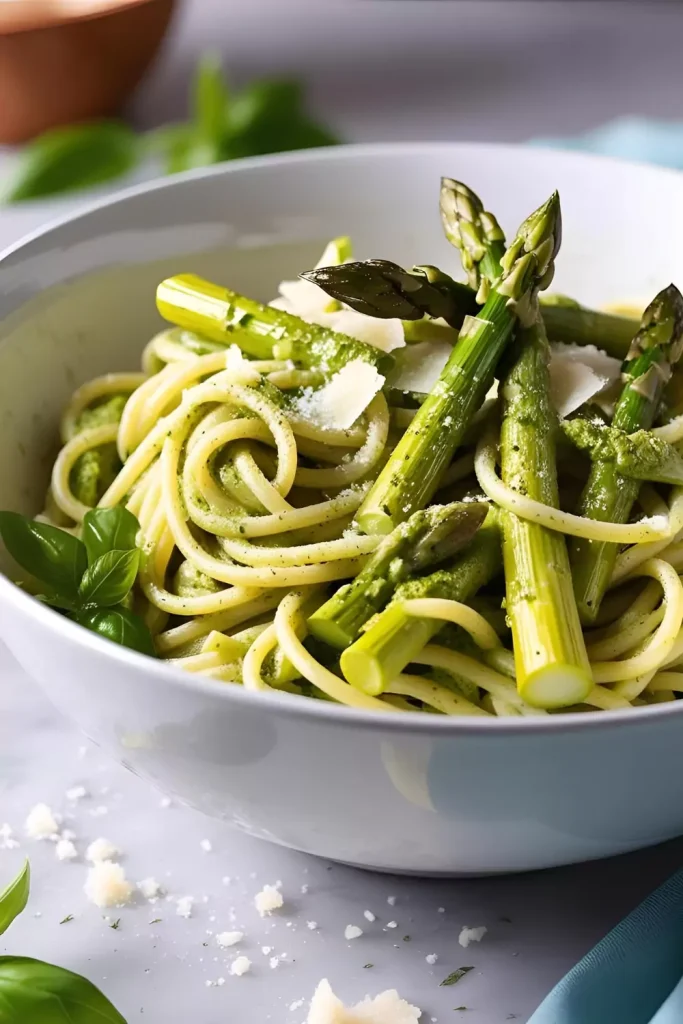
(633, 976)
(630, 138)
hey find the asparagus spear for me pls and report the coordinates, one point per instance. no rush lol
(384, 289)
(608, 495)
(260, 331)
(429, 536)
(412, 473)
(393, 639)
(550, 655)
(476, 233)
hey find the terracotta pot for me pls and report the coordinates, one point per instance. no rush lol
(64, 62)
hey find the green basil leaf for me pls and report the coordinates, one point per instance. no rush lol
(14, 898)
(33, 992)
(120, 625)
(73, 157)
(108, 580)
(182, 147)
(268, 117)
(109, 529)
(210, 99)
(52, 555)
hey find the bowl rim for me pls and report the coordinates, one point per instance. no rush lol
(291, 705)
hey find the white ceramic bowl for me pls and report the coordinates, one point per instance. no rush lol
(406, 793)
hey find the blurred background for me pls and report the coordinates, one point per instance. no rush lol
(439, 69)
(368, 70)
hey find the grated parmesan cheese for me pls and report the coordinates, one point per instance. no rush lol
(65, 850)
(150, 888)
(206, 845)
(107, 885)
(41, 823)
(101, 849)
(241, 965)
(386, 1008)
(268, 900)
(6, 840)
(344, 398)
(352, 931)
(468, 935)
(226, 939)
(76, 793)
(184, 906)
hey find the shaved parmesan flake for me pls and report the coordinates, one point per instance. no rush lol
(385, 335)
(305, 299)
(386, 1008)
(344, 398)
(418, 367)
(602, 364)
(578, 374)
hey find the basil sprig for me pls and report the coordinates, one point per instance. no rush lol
(267, 116)
(89, 580)
(33, 992)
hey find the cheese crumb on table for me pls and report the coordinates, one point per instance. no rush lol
(76, 793)
(269, 899)
(352, 931)
(107, 885)
(101, 849)
(431, 958)
(184, 906)
(206, 845)
(240, 966)
(6, 840)
(41, 823)
(392, 924)
(386, 1008)
(369, 916)
(150, 888)
(65, 850)
(468, 935)
(225, 939)
(391, 900)
(312, 925)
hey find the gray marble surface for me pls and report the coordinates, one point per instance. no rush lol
(379, 70)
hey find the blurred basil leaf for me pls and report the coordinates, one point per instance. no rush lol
(269, 117)
(14, 898)
(33, 992)
(51, 555)
(120, 625)
(108, 580)
(109, 529)
(210, 100)
(74, 157)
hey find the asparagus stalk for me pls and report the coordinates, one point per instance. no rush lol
(609, 496)
(428, 537)
(260, 331)
(550, 655)
(412, 473)
(383, 289)
(393, 639)
(476, 233)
